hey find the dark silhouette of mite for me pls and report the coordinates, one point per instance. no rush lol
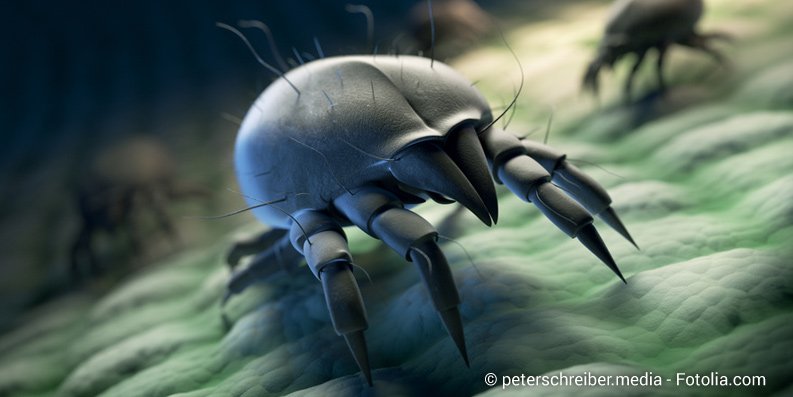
(637, 26)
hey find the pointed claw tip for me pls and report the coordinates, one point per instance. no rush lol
(610, 217)
(491, 204)
(480, 213)
(454, 326)
(619, 274)
(485, 218)
(630, 240)
(430, 168)
(465, 150)
(589, 237)
(494, 214)
(357, 345)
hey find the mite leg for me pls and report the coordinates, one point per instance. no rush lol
(590, 80)
(157, 204)
(82, 251)
(378, 213)
(253, 245)
(280, 255)
(710, 36)
(531, 182)
(323, 243)
(629, 81)
(659, 67)
(702, 43)
(582, 187)
(603, 58)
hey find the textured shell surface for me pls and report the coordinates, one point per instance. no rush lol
(351, 116)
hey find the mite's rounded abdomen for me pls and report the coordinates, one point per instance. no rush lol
(351, 116)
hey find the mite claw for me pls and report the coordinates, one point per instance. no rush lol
(589, 237)
(454, 326)
(580, 186)
(427, 167)
(610, 217)
(466, 151)
(357, 344)
(438, 278)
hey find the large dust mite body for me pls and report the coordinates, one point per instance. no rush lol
(356, 140)
(638, 26)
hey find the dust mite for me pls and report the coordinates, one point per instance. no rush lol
(356, 140)
(637, 26)
(110, 199)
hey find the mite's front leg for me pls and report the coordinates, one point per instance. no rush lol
(381, 215)
(703, 42)
(321, 240)
(580, 186)
(530, 181)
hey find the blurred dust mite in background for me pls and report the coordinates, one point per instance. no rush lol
(638, 26)
(122, 201)
(458, 25)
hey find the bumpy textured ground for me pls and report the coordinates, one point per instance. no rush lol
(702, 178)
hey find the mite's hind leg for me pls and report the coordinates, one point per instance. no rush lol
(323, 243)
(580, 186)
(380, 214)
(632, 75)
(157, 204)
(531, 182)
(279, 256)
(83, 261)
(252, 245)
(659, 67)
